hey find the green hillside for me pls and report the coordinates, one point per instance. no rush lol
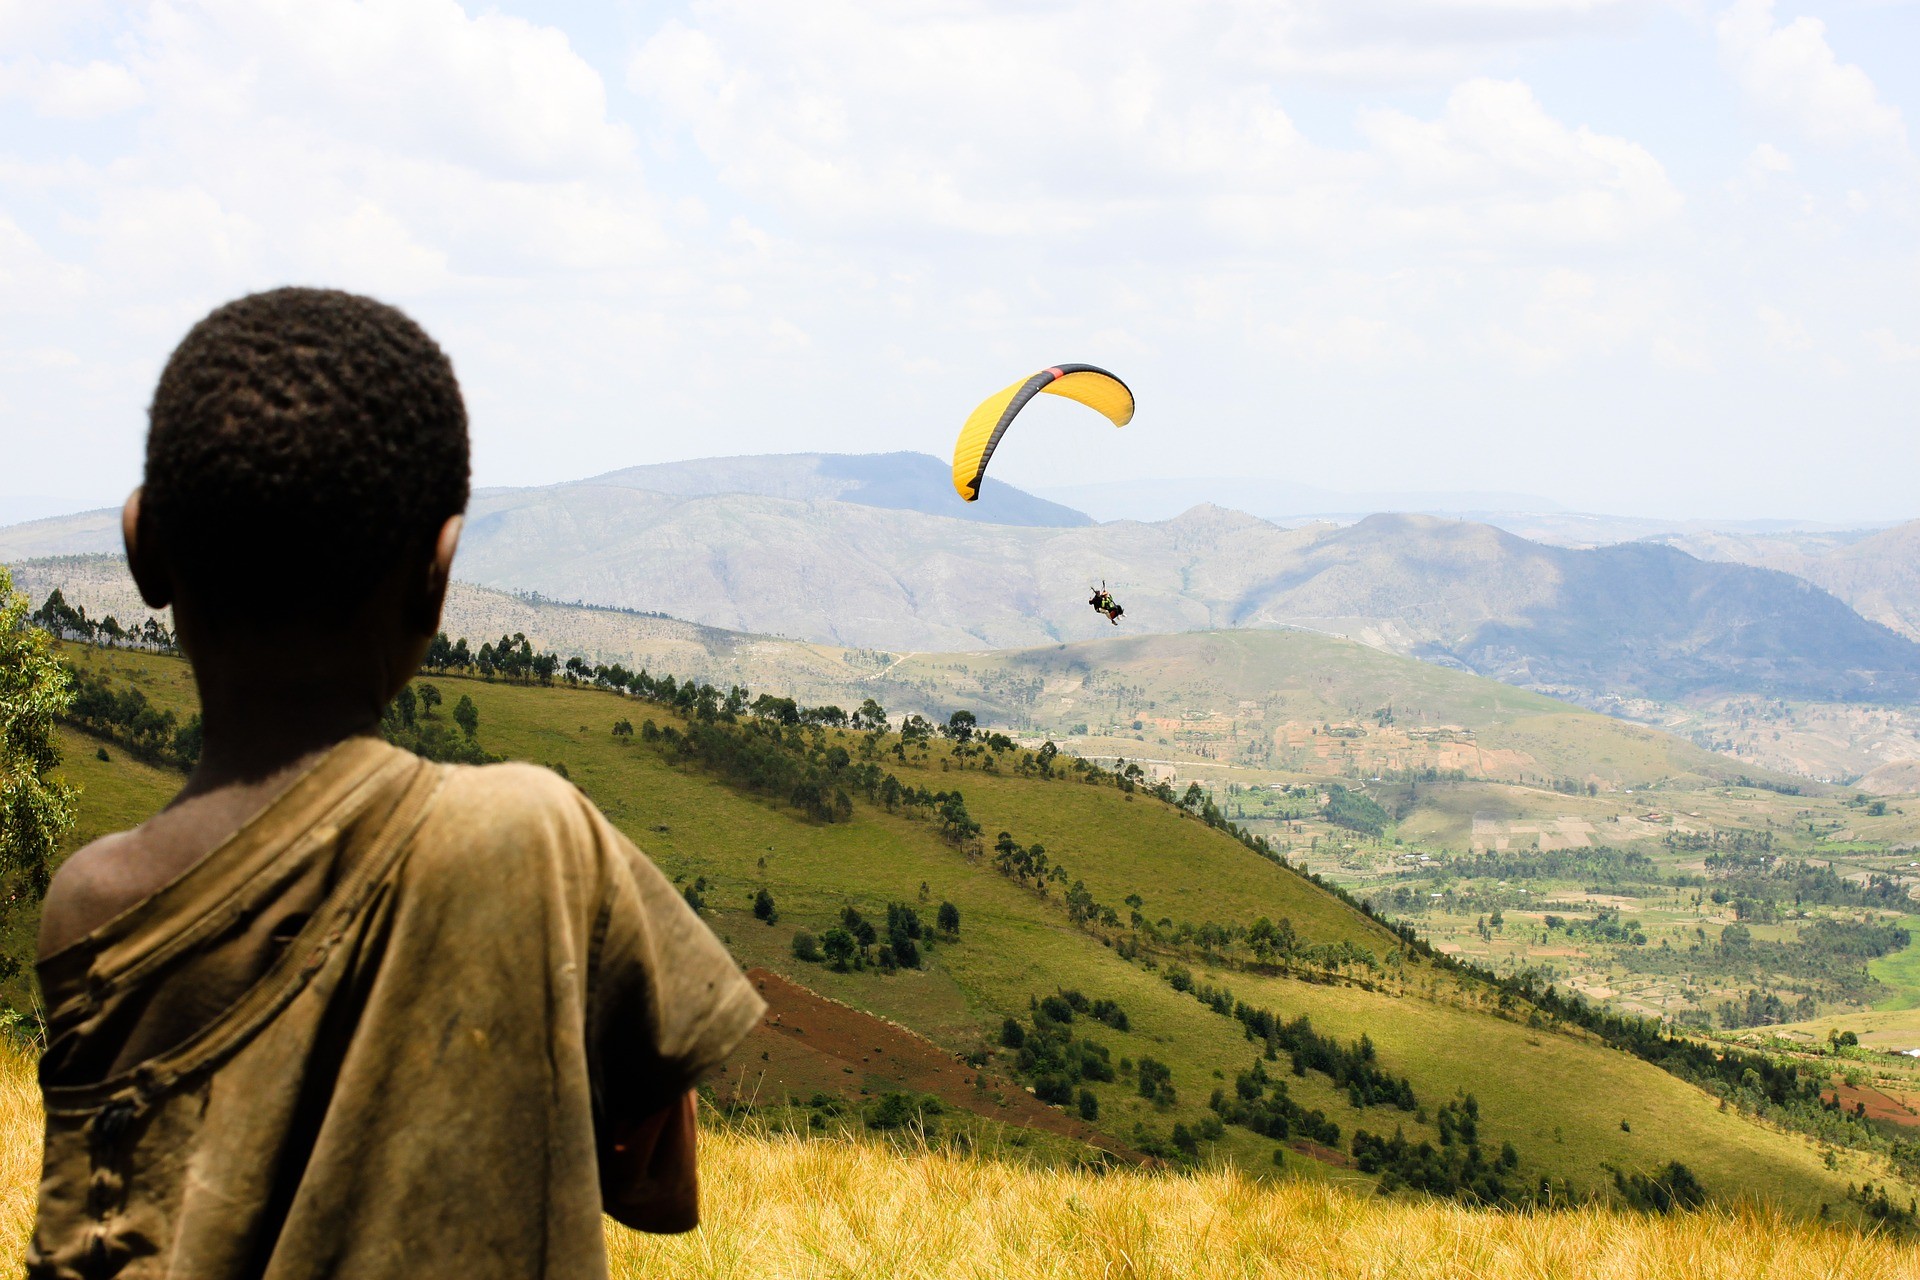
(1251, 698)
(1306, 702)
(1571, 1107)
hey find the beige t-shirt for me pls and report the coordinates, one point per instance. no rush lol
(387, 1029)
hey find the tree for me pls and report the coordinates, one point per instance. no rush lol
(955, 822)
(778, 710)
(467, 716)
(763, 908)
(1089, 1105)
(871, 715)
(859, 928)
(839, 946)
(623, 729)
(806, 947)
(429, 699)
(903, 933)
(35, 810)
(960, 726)
(949, 919)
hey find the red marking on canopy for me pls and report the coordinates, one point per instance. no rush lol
(1056, 373)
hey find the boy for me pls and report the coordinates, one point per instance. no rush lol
(337, 1011)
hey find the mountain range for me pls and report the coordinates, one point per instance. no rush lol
(875, 552)
(1878, 573)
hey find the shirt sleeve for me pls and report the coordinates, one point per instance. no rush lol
(667, 1002)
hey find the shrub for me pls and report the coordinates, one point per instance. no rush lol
(1057, 1090)
(899, 1110)
(1156, 1082)
(1671, 1188)
(806, 947)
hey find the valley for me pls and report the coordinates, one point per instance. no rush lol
(1138, 904)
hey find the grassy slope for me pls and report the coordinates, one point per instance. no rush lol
(1901, 972)
(1015, 946)
(1308, 677)
(776, 1208)
(1532, 1084)
(1295, 675)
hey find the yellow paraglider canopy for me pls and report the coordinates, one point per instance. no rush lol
(1095, 388)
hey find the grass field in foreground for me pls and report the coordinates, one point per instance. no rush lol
(778, 1208)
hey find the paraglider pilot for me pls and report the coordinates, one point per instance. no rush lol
(1103, 602)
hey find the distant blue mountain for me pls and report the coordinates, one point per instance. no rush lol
(899, 481)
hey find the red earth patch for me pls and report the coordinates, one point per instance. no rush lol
(808, 1044)
(1880, 1106)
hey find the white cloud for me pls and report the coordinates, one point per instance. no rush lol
(1782, 331)
(1792, 73)
(417, 76)
(33, 281)
(1496, 165)
(68, 92)
(1767, 158)
(976, 122)
(1888, 346)
(1346, 215)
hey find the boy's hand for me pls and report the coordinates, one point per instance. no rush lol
(651, 1182)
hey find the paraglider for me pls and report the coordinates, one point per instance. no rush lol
(1103, 602)
(1093, 387)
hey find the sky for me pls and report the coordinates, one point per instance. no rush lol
(1637, 257)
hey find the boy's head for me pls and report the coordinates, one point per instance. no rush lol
(305, 447)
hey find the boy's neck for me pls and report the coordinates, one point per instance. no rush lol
(251, 730)
(270, 701)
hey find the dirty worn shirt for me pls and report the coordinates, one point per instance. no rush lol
(390, 1028)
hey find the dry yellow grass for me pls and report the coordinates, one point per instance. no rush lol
(779, 1207)
(20, 1131)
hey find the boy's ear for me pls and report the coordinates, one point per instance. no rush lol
(145, 560)
(439, 572)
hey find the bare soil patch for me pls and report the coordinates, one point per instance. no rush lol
(1892, 1108)
(808, 1044)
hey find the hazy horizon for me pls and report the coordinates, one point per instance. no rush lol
(1163, 497)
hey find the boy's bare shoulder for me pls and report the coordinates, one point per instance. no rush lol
(88, 890)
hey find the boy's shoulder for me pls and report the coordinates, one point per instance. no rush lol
(511, 786)
(512, 812)
(90, 888)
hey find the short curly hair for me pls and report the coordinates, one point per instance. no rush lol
(301, 443)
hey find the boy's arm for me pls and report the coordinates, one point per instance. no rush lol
(668, 1004)
(651, 1180)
